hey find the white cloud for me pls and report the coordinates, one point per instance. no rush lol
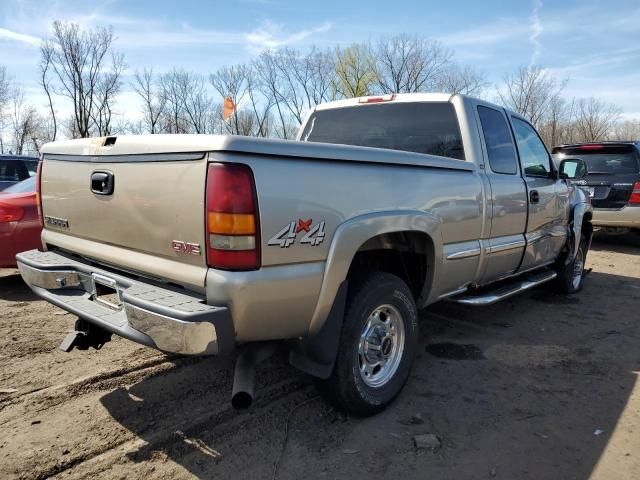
(6, 34)
(536, 31)
(23, 20)
(270, 35)
(490, 34)
(601, 64)
(266, 36)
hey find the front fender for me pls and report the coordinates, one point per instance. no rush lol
(580, 205)
(352, 234)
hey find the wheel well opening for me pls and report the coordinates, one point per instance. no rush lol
(408, 255)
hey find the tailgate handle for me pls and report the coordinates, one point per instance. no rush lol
(102, 182)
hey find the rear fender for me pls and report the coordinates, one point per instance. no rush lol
(352, 234)
(316, 353)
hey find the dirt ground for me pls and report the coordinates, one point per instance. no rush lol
(541, 386)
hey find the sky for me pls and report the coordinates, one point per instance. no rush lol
(594, 45)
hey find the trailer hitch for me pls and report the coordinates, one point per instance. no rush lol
(85, 335)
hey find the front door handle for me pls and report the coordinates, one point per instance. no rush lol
(534, 196)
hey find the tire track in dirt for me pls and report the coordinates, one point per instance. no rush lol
(225, 417)
(56, 394)
(192, 403)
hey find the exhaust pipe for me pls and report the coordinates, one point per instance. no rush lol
(245, 373)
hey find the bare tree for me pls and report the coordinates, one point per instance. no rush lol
(45, 82)
(627, 130)
(173, 121)
(322, 65)
(269, 82)
(69, 127)
(356, 73)
(196, 102)
(106, 90)
(153, 100)
(24, 122)
(408, 63)
(556, 126)
(530, 91)
(86, 71)
(456, 79)
(261, 103)
(594, 120)
(5, 88)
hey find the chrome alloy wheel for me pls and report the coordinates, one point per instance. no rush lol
(381, 346)
(578, 269)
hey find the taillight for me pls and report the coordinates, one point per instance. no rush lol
(233, 240)
(10, 213)
(634, 199)
(38, 194)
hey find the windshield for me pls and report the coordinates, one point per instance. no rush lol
(25, 186)
(427, 127)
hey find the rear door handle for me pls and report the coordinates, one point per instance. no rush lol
(534, 196)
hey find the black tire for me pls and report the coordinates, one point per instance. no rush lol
(346, 388)
(566, 281)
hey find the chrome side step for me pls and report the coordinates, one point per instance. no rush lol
(505, 291)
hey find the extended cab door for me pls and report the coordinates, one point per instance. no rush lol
(546, 224)
(508, 200)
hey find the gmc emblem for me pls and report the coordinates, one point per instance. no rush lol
(185, 247)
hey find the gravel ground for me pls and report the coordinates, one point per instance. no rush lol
(539, 386)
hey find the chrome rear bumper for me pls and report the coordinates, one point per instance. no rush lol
(158, 317)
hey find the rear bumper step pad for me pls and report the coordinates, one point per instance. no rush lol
(154, 316)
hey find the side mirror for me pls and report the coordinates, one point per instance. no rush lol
(572, 169)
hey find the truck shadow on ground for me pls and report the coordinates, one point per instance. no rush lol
(532, 387)
(13, 289)
(628, 243)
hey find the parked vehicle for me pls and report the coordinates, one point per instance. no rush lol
(613, 182)
(19, 221)
(196, 244)
(14, 169)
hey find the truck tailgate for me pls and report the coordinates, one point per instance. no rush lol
(155, 213)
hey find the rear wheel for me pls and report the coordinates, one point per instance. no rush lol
(377, 346)
(570, 275)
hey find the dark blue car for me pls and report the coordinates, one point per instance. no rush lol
(14, 169)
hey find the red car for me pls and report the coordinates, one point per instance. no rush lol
(19, 221)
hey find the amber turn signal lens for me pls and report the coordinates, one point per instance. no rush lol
(232, 223)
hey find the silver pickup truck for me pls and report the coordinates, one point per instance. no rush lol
(202, 245)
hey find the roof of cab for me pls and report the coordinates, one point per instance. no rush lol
(397, 97)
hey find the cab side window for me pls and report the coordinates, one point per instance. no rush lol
(533, 154)
(499, 142)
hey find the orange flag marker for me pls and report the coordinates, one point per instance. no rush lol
(229, 108)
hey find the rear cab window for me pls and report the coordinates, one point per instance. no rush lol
(420, 127)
